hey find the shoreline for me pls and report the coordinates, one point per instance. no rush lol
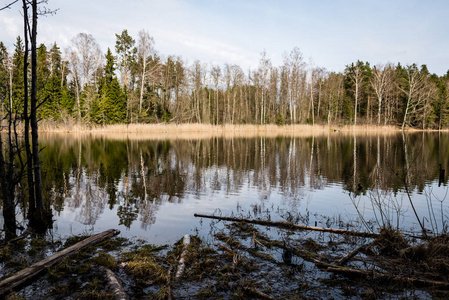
(195, 131)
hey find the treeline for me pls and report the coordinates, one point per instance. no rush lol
(137, 85)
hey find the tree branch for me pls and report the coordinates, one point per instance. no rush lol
(9, 5)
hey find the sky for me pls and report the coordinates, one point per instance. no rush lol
(329, 33)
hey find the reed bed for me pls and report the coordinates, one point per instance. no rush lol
(203, 131)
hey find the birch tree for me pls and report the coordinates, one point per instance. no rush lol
(264, 78)
(145, 50)
(380, 82)
(355, 74)
(414, 89)
(85, 57)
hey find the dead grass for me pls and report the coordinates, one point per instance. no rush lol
(204, 131)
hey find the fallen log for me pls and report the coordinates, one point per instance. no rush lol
(32, 271)
(182, 260)
(289, 225)
(114, 285)
(371, 274)
(351, 254)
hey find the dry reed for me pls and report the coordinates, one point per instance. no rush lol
(200, 131)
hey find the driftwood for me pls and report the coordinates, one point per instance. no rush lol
(32, 271)
(182, 260)
(351, 254)
(289, 225)
(389, 277)
(114, 285)
(370, 274)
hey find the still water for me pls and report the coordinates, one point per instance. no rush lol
(151, 188)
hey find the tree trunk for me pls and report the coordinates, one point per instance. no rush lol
(34, 125)
(30, 177)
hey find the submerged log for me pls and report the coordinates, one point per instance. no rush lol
(289, 225)
(114, 285)
(32, 271)
(182, 260)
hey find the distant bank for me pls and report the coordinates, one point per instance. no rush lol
(164, 130)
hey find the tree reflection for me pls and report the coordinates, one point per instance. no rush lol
(88, 174)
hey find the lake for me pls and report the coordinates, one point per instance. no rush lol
(150, 188)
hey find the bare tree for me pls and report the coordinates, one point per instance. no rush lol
(380, 82)
(417, 91)
(237, 82)
(297, 74)
(264, 77)
(355, 73)
(216, 74)
(145, 50)
(85, 57)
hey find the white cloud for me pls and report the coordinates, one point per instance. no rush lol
(11, 28)
(207, 49)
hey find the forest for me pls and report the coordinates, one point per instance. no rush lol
(136, 84)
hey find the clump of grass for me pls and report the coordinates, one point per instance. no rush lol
(311, 245)
(38, 243)
(432, 256)
(74, 239)
(95, 290)
(6, 253)
(62, 290)
(104, 259)
(390, 242)
(66, 266)
(147, 268)
(114, 243)
(14, 296)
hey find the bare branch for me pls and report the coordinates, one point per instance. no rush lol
(9, 5)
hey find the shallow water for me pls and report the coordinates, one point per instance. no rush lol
(150, 189)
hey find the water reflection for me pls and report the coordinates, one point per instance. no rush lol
(126, 181)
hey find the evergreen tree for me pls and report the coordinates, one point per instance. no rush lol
(17, 76)
(114, 103)
(110, 106)
(4, 74)
(124, 48)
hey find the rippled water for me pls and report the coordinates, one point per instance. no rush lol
(150, 189)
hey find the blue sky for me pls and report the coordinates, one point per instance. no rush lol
(331, 34)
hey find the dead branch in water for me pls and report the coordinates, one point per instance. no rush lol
(114, 285)
(32, 271)
(351, 254)
(289, 225)
(182, 262)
